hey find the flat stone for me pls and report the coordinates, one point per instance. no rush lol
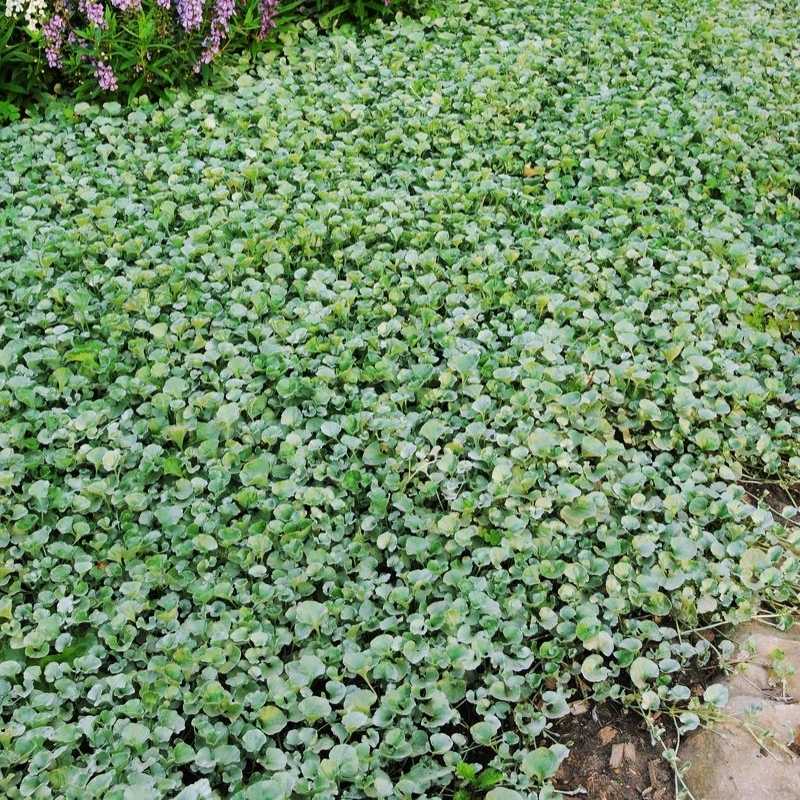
(747, 756)
(756, 645)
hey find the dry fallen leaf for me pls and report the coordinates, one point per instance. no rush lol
(529, 171)
(630, 751)
(579, 707)
(607, 734)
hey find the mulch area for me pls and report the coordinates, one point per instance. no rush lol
(776, 497)
(612, 757)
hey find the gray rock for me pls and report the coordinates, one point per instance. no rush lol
(748, 755)
(757, 643)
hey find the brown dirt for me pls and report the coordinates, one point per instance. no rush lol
(774, 496)
(607, 735)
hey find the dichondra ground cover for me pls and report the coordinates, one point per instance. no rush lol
(340, 452)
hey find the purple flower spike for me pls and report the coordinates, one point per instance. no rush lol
(106, 79)
(268, 9)
(190, 13)
(220, 21)
(53, 31)
(127, 5)
(93, 12)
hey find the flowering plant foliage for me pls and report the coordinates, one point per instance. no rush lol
(102, 45)
(358, 419)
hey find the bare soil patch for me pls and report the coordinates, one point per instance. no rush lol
(612, 757)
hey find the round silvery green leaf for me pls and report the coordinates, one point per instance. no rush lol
(679, 693)
(310, 612)
(501, 793)
(169, 515)
(272, 720)
(650, 701)
(111, 460)
(716, 694)
(226, 754)
(542, 441)
(441, 743)
(593, 670)
(354, 720)
(140, 792)
(304, 670)
(253, 740)
(205, 542)
(10, 668)
(483, 732)
(577, 513)
(39, 489)
(602, 641)
(433, 430)
(331, 428)
(228, 413)
(256, 472)
(342, 761)
(99, 784)
(649, 410)
(382, 785)
(314, 708)
(556, 705)
(543, 762)
(175, 387)
(199, 790)
(274, 759)
(643, 670)
(502, 472)
(683, 547)
(134, 734)
(592, 447)
(689, 722)
(265, 790)
(708, 440)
